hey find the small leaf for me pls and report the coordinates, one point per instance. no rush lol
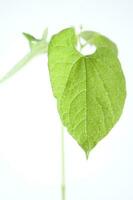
(34, 43)
(98, 40)
(31, 39)
(90, 90)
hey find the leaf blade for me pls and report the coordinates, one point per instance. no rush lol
(99, 107)
(93, 95)
(98, 40)
(61, 57)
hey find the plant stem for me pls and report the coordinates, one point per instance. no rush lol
(39, 49)
(63, 195)
(63, 185)
(17, 67)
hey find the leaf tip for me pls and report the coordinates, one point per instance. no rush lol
(29, 37)
(87, 154)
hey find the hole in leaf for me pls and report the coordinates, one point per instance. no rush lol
(88, 49)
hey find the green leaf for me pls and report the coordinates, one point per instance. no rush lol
(90, 90)
(98, 40)
(31, 39)
(35, 43)
(61, 57)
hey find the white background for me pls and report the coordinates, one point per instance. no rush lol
(29, 123)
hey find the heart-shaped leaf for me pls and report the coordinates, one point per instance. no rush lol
(90, 90)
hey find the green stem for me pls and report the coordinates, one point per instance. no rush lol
(17, 67)
(39, 49)
(63, 187)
